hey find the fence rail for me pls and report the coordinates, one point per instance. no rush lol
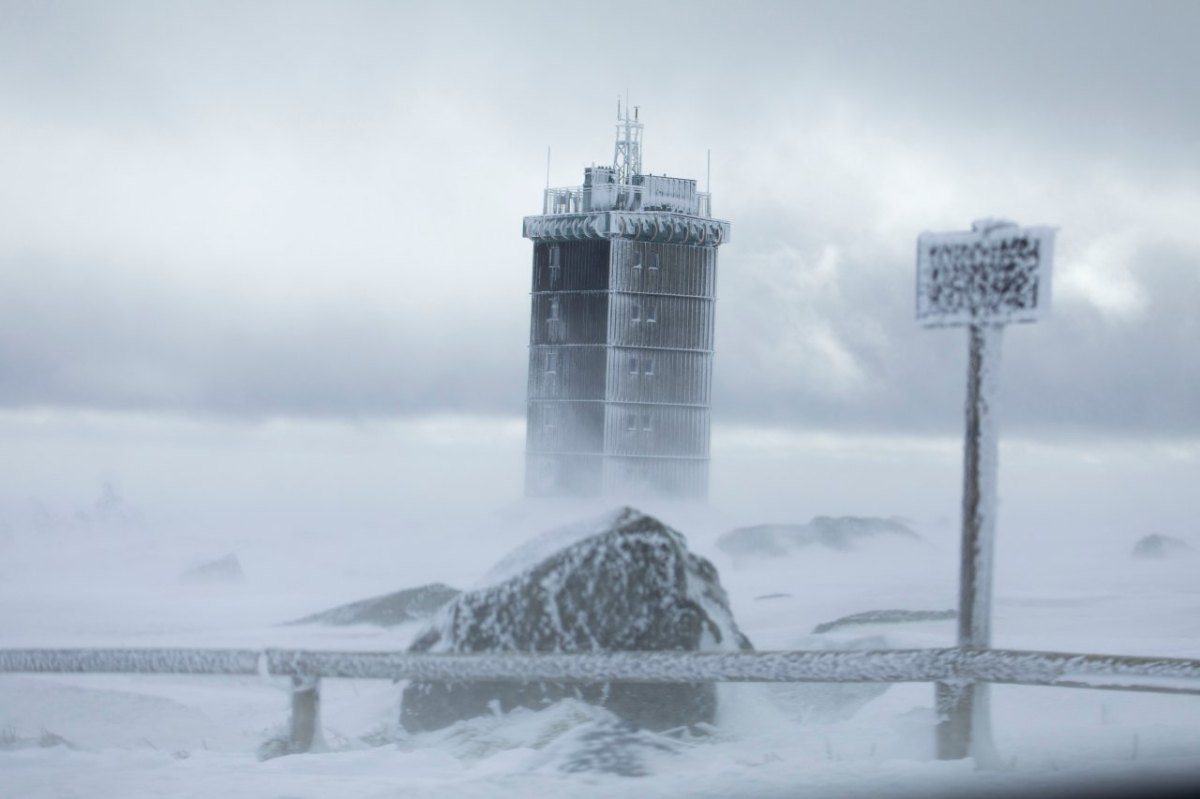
(889, 665)
(307, 667)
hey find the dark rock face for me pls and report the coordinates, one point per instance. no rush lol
(886, 617)
(841, 533)
(614, 747)
(1158, 546)
(227, 570)
(631, 585)
(411, 604)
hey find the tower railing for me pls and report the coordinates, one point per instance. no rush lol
(613, 197)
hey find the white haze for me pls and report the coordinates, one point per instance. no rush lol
(263, 291)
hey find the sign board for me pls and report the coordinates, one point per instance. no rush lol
(990, 275)
(994, 274)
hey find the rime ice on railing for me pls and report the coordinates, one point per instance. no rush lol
(955, 667)
(1116, 672)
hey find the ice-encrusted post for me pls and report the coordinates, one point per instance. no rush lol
(963, 707)
(304, 726)
(995, 274)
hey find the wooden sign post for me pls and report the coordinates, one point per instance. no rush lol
(986, 278)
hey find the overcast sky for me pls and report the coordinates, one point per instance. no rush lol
(240, 213)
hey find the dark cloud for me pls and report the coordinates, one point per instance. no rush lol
(314, 209)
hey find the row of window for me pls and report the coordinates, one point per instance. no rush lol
(637, 313)
(643, 365)
(633, 421)
(647, 314)
(655, 260)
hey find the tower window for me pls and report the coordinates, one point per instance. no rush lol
(646, 421)
(551, 362)
(631, 421)
(651, 313)
(555, 256)
(633, 366)
(636, 313)
(554, 309)
(548, 418)
(654, 260)
(648, 365)
(636, 260)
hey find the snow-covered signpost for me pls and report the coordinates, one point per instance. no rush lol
(986, 278)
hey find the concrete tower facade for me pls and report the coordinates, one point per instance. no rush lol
(621, 332)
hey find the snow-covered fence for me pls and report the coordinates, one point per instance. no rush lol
(1168, 675)
(306, 667)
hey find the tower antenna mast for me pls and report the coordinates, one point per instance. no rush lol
(627, 153)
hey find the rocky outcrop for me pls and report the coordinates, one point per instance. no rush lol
(624, 583)
(411, 604)
(225, 570)
(841, 533)
(1158, 547)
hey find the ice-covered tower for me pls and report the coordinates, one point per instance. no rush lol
(621, 331)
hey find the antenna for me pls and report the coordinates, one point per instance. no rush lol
(627, 153)
(708, 174)
(547, 167)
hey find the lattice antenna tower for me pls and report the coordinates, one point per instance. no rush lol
(627, 153)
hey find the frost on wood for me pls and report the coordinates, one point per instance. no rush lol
(147, 661)
(995, 274)
(630, 586)
(895, 665)
(980, 464)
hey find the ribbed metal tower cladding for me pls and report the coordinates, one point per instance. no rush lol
(621, 337)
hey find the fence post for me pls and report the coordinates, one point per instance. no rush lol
(953, 702)
(304, 729)
(963, 717)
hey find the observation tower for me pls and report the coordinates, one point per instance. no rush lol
(621, 331)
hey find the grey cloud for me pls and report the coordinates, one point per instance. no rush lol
(71, 340)
(314, 209)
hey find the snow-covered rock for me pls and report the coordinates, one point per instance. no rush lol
(1158, 546)
(226, 569)
(567, 736)
(410, 604)
(626, 582)
(885, 617)
(607, 747)
(839, 533)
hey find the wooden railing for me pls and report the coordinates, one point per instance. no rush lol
(306, 668)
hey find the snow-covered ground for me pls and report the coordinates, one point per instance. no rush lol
(117, 584)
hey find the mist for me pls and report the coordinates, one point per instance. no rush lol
(263, 292)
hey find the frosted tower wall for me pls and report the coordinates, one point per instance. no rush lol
(621, 335)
